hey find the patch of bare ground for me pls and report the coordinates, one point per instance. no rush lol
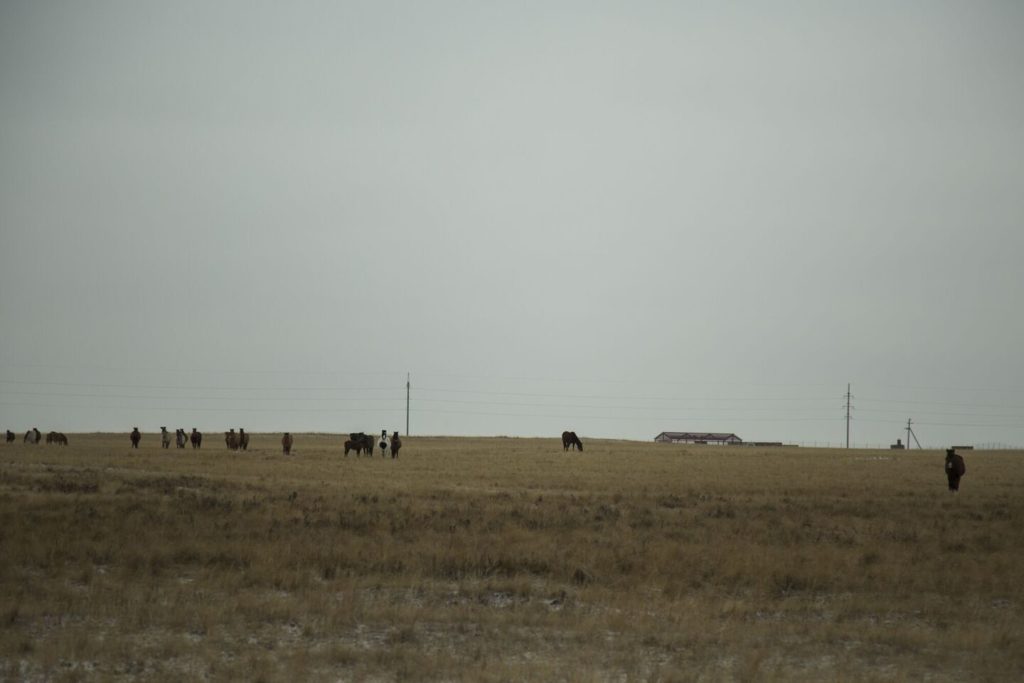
(506, 559)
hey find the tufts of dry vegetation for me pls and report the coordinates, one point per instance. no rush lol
(501, 559)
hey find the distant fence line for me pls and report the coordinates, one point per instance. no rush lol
(877, 446)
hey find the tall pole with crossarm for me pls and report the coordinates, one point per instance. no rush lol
(848, 415)
(407, 385)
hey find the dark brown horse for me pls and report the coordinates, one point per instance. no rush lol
(955, 468)
(286, 443)
(136, 437)
(570, 439)
(359, 442)
(197, 438)
(10, 436)
(396, 445)
(231, 440)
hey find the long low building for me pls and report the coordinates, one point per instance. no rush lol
(697, 437)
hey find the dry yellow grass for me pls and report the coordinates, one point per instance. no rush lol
(506, 559)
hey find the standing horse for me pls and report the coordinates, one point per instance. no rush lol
(180, 438)
(359, 442)
(10, 436)
(136, 437)
(243, 439)
(955, 469)
(396, 445)
(231, 439)
(286, 443)
(570, 439)
(31, 436)
(165, 438)
(197, 438)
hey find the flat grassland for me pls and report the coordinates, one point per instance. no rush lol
(506, 559)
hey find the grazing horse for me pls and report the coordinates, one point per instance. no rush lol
(286, 443)
(197, 438)
(10, 436)
(60, 439)
(136, 437)
(570, 439)
(180, 438)
(51, 437)
(165, 438)
(243, 439)
(955, 469)
(359, 442)
(231, 439)
(396, 445)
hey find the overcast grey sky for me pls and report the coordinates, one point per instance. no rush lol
(617, 218)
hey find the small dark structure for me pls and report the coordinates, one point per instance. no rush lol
(286, 443)
(955, 469)
(136, 437)
(570, 439)
(898, 446)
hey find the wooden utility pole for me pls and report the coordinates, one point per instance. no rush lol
(407, 386)
(910, 433)
(848, 415)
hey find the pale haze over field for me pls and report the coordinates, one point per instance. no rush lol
(616, 218)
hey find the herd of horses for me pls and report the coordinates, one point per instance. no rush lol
(360, 442)
(34, 436)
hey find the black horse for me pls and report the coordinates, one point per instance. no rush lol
(570, 439)
(359, 442)
(955, 469)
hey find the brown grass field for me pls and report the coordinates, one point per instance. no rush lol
(506, 559)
